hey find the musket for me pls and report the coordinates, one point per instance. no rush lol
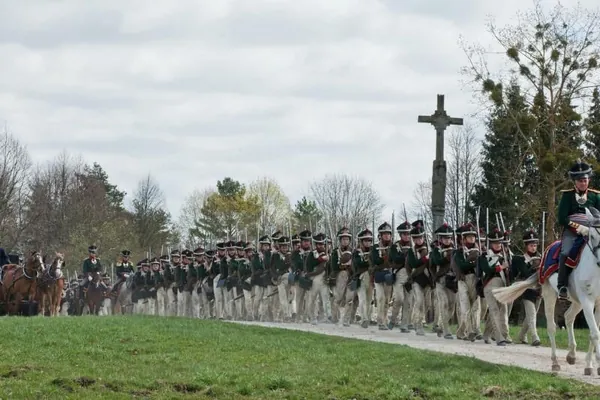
(405, 215)
(487, 228)
(393, 226)
(502, 275)
(543, 232)
(477, 267)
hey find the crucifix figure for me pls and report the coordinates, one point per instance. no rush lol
(440, 121)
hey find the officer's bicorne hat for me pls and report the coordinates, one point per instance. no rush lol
(296, 238)
(468, 229)
(530, 236)
(175, 253)
(199, 251)
(154, 260)
(365, 234)
(319, 238)
(93, 249)
(240, 245)
(418, 229)
(283, 240)
(580, 170)
(264, 240)
(344, 232)
(495, 235)
(404, 227)
(249, 246)
(444, 230)
(125, 253)
(306, 235)
(384, 228)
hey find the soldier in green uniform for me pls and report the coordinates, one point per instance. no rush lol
(299, 259)
(259, 278)
(522, 267)
(402, 286)
(90, 266)
(382, 274)
(315, 269)
(464, 264)
(361, 280)
(417, 263)
(574, 201)
(281, 267)
(295, 242)
(446, 286)
(140, 292)
(340, 273)
(245, 276)
(124, 269)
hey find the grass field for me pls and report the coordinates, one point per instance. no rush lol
(121, 357)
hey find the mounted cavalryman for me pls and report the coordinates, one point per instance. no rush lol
(124, 269)
(574, 201)
(382, 273)
(90, 266)
(522, 267)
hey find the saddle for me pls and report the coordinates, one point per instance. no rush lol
(549, 263)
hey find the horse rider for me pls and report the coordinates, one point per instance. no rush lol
(574, 201)
(124, 270)
(91, 265)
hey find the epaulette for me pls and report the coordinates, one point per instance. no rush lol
(594, 190)
(568, 190)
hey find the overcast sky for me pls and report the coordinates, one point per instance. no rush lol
(193, 91)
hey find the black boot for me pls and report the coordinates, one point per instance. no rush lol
(563, 277)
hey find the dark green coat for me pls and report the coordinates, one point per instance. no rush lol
(360, 262)
(568, 205)
(88, 266)
(378, 262)
(121, 269)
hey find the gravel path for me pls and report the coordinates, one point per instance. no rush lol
(523, 356)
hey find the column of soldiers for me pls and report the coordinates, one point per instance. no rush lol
(303, 279)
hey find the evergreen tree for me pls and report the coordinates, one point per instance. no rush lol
(307, 214)
(592, 127)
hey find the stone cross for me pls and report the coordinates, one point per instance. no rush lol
(440, 121)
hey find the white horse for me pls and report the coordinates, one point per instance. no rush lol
(584, 293)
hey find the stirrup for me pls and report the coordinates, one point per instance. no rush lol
(563, 292)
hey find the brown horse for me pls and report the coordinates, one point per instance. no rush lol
(95, 294)
(50, 287)
(20, 283)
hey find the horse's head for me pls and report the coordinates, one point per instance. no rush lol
(34, 263)
(57, 265)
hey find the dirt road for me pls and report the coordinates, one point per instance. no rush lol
(524, 356)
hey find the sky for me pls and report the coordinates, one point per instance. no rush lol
(194, 91)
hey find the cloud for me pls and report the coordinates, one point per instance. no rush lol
(192, 92)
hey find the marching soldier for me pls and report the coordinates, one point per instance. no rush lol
(574, 201)
(382, 274)
(124, 269)
(522, 267)
(341, 263)
(281, 267)
(295, 242)
(361, 281)
(219, 271)
(299, 259)
(464, 265)
(402, 304)
(446, 286)
(140, 295)
(91, 265)
(315, 269)
(494, 266)
(154, 279)
(245, 275)
(417, 262)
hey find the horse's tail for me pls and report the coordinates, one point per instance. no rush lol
(512, 292)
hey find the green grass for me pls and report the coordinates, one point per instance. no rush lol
(144, 357)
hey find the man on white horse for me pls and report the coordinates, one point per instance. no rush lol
(574, 201)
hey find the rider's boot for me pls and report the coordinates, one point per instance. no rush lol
(563, 277)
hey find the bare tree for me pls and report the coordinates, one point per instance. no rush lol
(344, 200)
(15, 165)
(191, 211)
(150, 218)
(464, 172)
(275, 209)
(420, 206)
